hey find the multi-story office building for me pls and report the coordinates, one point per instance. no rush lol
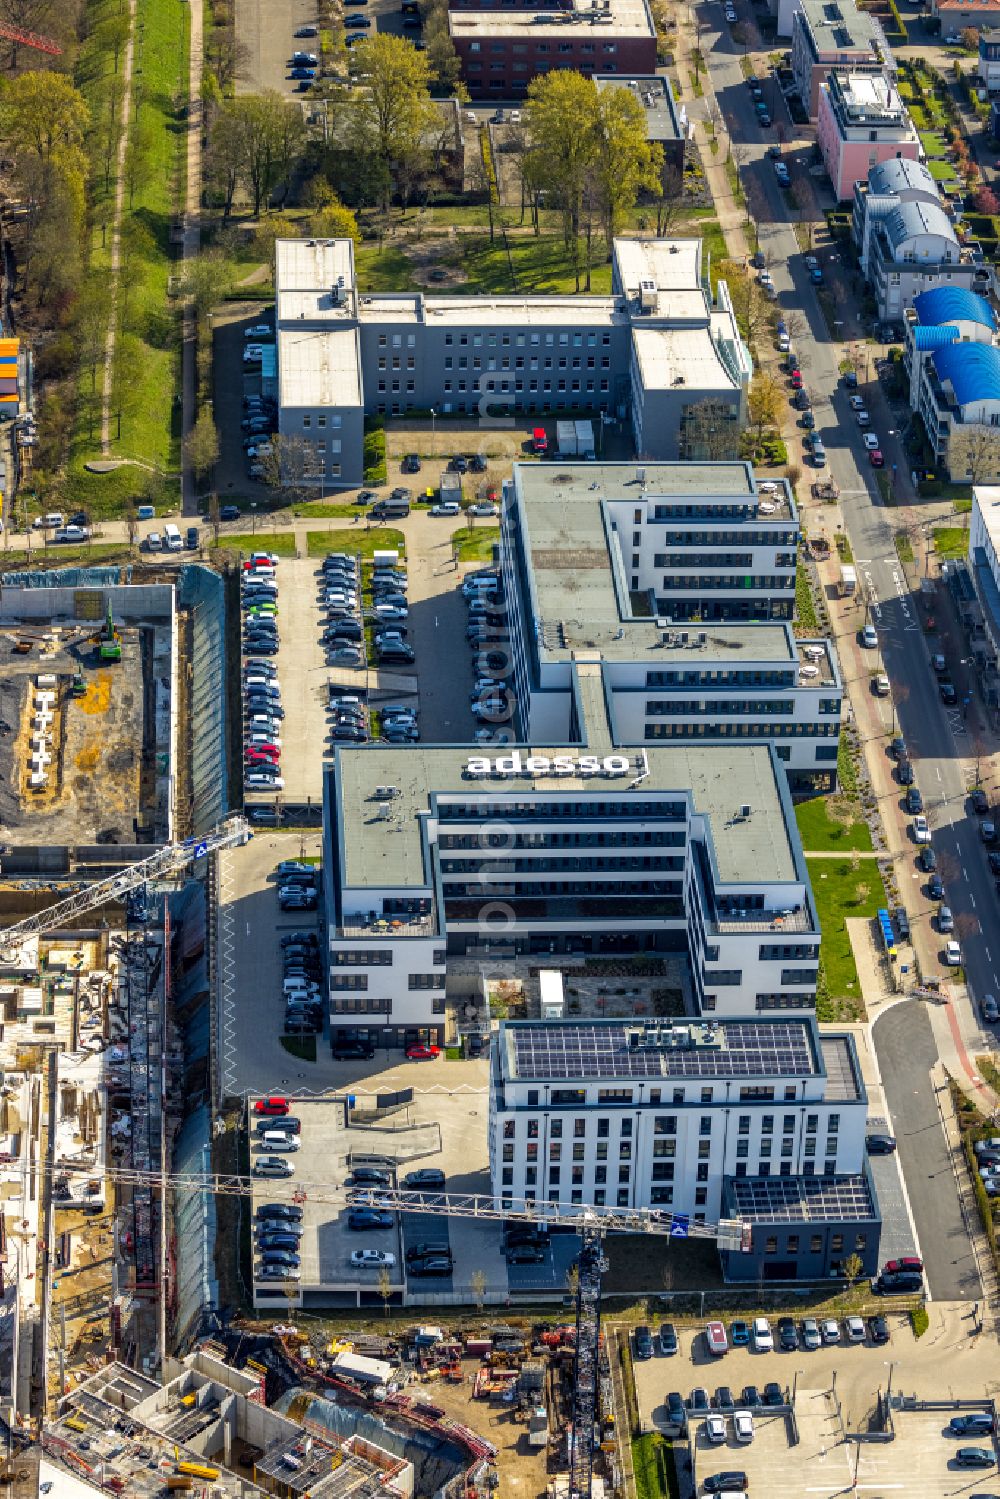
(907, 242)
(830, 34)
(762, 1119)
(952, 359)
(659, 348)
(565, 848)
(502, 48)
(666, 123)
(682, 584)
(861, 120)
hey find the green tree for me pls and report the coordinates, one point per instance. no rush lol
(41, 114)
(336, 221)
(445, 63)
(626, 163)
(206, 280)
(201, 445)
(561, 107)
(389, 117)
(93, 315)
(765, 402)
(127, 369)
(254, 142)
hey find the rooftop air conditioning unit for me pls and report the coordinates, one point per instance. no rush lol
(746, 809)
(647, 294)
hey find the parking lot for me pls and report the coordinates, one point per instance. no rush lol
(266, 28)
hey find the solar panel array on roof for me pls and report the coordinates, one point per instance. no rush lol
(797, 1199)
(748, 1049)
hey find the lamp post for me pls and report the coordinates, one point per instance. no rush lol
(433, 422)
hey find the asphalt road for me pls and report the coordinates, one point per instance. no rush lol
(937, 740)
(907, 1052)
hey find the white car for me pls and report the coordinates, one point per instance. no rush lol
(869, 638)
(715, 1428)
(784, 343)
(447, 507)
(763, 1341)
(812, 263)
(71, 533)
(259, 330)
(855, 1329)
(864, 420)
(743, 1426)
(830, 1330)
(871, 442)
(953, 954)
(921, 832)
(257, 780)
(484, 508)
(372, 1257)
(857, 403)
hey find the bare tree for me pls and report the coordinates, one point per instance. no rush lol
(709, 431)
(974, 453)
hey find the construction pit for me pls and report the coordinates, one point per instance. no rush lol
(88, 682)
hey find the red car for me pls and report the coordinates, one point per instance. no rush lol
(257, 755)
(271, 1106)
(796, 380)
(875, 458)
(539, 441)
(906, 1262)
(422, 1053)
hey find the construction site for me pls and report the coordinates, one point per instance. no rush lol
(88, 715)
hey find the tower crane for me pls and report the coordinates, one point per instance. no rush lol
(23, 38)
(591, 1224)
(167, 861)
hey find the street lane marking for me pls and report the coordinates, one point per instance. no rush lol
(972, 898)
(937, 771)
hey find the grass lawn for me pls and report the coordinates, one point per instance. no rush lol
(386, 270)
(834, 885)
(477, 545)
(904, 547)
(279, 542)
(303, 1047)
(150, 425)
(943, 171)
(933, 142)
(362, 543)
(533, 264)
(819, 832)
(653, 1465)
(322, 511)
(54, 557)
(951, 541)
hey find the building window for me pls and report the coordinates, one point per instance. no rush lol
(816, 1244)
(771, 1244)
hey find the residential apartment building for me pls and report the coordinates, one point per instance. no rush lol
(989, 60)
(984, 569)
(861, 121)
(829, 34)
(953, 363)
(907, 242)
(762, 1119)
(502, 48)
(437, 852)
(683, 586)
(654, 350)
(956, 15)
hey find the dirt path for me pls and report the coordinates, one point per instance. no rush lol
(192, 245)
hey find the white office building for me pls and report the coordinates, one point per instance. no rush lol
(660, 346)
(680, 579)
(437, 853)
(760, 1118)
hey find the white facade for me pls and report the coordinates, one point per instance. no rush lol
(632, 1115)
(952, 358)
(683, 583)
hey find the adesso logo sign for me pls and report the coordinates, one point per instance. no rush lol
(516, 764)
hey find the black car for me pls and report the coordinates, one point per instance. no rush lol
(229, 512)
(279, 1210)
(675, 1408)
(642, 1341)
(935, 887)
(948, 694)
(893, 1284)
(914, 801)
(897, 747)
(410, 464)
(878, 1328)
(433, 1250)
(529, 1254)
(367, 1176)
(927, 859)
(458, 464)
(362, 1218)
(430, 1179)
(191, 538)
(751, 1397)
(723, 1400)
(773, 1393)
(904, 772)
(698, 1403)
(733, 1482)
(277, 1241)
(295, 939)
(436, 1266)
(477, 463)
(788, 1338)
(880, 1144)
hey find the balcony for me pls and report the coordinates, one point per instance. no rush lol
(733, 923)
(374, 924)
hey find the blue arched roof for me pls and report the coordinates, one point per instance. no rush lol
(973, 369)
(953, 304)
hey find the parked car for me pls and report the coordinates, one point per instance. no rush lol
(763, 1340)
(878, 1144)
(367, 1259)
(811, 1338)
(743, 1426)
